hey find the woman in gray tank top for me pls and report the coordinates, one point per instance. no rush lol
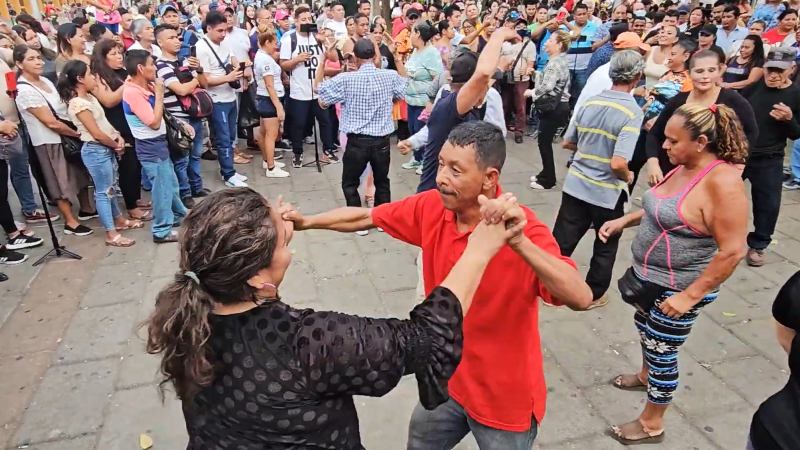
(692, 236)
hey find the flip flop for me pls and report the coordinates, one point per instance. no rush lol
(141, 204)
(633, 383)
(633, 433)
(238, 159)
(120, 241)
(131, 225)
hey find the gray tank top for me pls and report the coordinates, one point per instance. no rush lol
(667, 251)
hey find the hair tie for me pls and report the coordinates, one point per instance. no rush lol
(713, 108)
(193, 276)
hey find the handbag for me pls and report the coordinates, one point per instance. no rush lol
(179, 140)
(71, 146)
(236, 84)
(10, 147)
(639, 293)
(547, 103)
(508, 77)
(248, 114)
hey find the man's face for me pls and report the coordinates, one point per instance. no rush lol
(304, 18)
(670, 20)
(202, 11)
(581, 16)
(147, 33)
(171, 18)
(169, 42)
(365, 8)
(284, 24)
(455, 19)
(217, 33)
(126, 21)
(728, 21)
(638, 26)
(776, 78)
(263, 19)
(716, 13)
(338, 12)
(362, 26)
(472, 12)
(148, 70)
(411, 21)
(619, 13)
(530, 11)
(459, 179)
(639, 7)
(231, 20)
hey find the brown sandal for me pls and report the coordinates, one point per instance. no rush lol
(634, 433)
(238, 159)
(120, 241)
(131, 225)
(629, 382)
(145, 217)
(143, 204)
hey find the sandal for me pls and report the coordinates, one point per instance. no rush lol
(629, 382)
(243, 154)
(143, 204)
(145, 217)
(131, 225)
(120, 241)
(598, 303)
(634, 433)
(238, 159)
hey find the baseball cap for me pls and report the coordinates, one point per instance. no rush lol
(463, 66)
(683, 9)
(709, 29)
(167, 7)
(630, 40)
(780, 57)
(413, 13)
(281, 14)
(364, 49)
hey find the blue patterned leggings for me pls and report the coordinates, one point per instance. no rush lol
(661, 336)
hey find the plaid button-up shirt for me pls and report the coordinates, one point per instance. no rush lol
(366, 96)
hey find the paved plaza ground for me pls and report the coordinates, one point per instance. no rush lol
(75, 376)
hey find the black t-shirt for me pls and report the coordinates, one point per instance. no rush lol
(115, 114)
(776, 424)
(772, 134)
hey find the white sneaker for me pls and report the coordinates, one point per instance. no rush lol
(235, 182)
(362, 232)
(240, 176)
(534, 177)
(278, 164)
(411, 164)
(418, 171)
(536, 185)
(277, 172)
(309, 140)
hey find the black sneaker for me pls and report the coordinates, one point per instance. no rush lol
(3, 277)
(518, 139)
(83, 215)
(283, 144)
(209, 155)
(188, 202)
(201, 193)
(277, 156)
(331, 154)
(23, 241)
(10, 257)
(80, 230)
(297, 161)
(171, 237)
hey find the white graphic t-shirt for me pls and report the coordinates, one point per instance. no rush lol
(302, 77)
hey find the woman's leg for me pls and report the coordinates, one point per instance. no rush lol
(547, 130)
(130, 180)
(270, 127)
(98, 161)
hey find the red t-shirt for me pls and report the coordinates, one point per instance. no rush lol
(500, 381)
(774, 36)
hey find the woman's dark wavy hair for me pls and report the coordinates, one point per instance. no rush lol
(101, 67)
(68, 79)
(226, 239)
(66, 31)
(31, 23)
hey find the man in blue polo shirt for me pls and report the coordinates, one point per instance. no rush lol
(580, 51)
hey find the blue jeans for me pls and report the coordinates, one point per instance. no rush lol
(577, 82)
(101, 163)
(794, 161)
(223, 127)
(167, 206)
(445, 426)
(415, 125)
(187, 168)
(21, 180)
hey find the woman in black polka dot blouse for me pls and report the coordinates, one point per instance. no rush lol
(255, 373)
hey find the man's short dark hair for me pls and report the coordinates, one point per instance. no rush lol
(733, 10)
(361, 2)
(579, 6)
(531, 2)
(671, 14)
(80, 21)
(96, 31)
(487, 139)
(122, 10)
(357, 16)
(720, 3)
(214, 18)
(134, 59)
(450, 10)
(162, 27)
(333, 4)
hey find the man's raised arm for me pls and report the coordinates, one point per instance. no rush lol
(346, 220)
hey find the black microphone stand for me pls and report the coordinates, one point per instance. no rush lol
(58, 250)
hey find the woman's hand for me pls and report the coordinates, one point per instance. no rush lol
(506, 211)
(8, 128)
(611, 228)
(281, 114)
(654, 173)
(487, 240)
(677, 305)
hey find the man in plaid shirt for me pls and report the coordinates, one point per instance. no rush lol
(366, 95)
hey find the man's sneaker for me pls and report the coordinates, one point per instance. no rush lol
(235, 181)
(362, 232)
(279, 165)
(277, 172)
(240, 176)
(84, 215)
(412, 164)
(791, 185)
(419, 170)
(188, 202)
(309, 140)
(23, 241)
(39, 216)
(202, 193)
(534, 177)
(537, 186)
(10, 257)
(171, 237)
(80, 230)
(297, 161)
(755, 258)
(331, 154)
(284, 144)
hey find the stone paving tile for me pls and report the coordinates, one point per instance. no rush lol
(710, 342)
(572, 419)
(54, 413)
(355, 294)
(80, 443)
(137, 367)
(700, 392)
(337, 258)
(754, 378)
(399, 303)
(20, 375)
(97, 333)
(118, 283)
(760, 334)
(728, 429)
(385, 270)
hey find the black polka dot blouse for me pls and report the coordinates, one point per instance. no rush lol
(285, 377)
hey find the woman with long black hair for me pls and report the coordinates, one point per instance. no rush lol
(107, 64)
(71, 43)
(745, 68)
(32, 39)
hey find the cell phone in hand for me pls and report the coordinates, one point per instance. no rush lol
(193, 51)
(561, 16)
(241, 66)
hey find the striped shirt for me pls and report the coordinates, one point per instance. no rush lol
(607, 125)
(580, 50)
(167, 72)
(138, 103)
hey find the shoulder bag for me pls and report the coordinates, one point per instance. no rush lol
(71, 146)
(236, 84)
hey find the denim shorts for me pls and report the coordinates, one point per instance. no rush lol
(265, 107)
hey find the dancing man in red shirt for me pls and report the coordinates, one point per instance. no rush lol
(498, 391)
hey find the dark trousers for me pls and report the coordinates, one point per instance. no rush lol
(575, 218)
(300, 111)
(548, 125)
(6, 216)
(130, 176)
(765, 175)
(359, 151)
(514, 101)
(639, 158)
